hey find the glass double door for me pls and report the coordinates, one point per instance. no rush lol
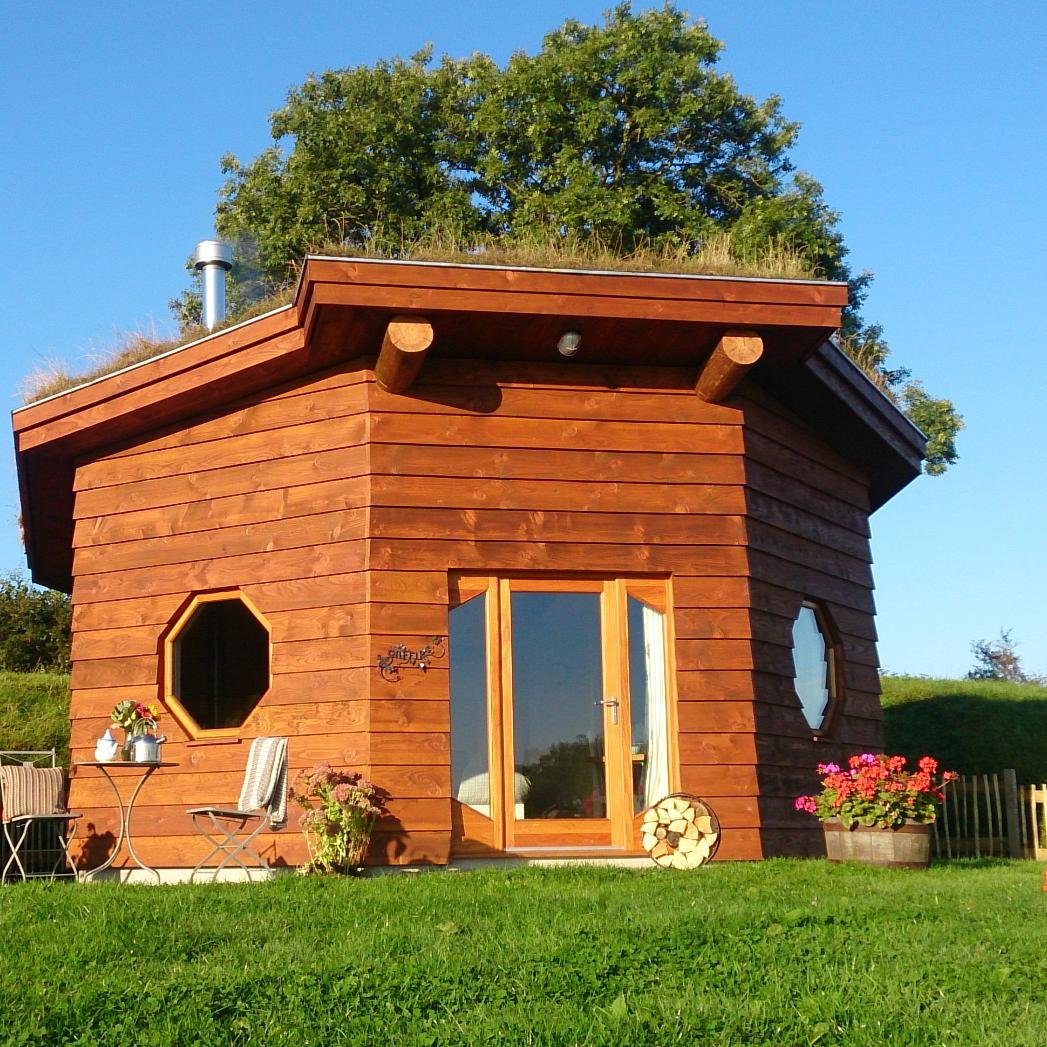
(559, 710)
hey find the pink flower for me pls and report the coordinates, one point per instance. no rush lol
(877, 790)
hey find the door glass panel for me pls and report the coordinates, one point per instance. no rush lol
(470, 772)
(557, 721)
(649, 711)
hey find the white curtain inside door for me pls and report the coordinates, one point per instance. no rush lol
(656, 776)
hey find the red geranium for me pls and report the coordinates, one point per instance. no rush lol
(878, 790)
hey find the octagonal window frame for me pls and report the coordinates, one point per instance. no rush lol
(833, 661)
(186, 720)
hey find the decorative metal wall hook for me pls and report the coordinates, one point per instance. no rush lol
(401, 657)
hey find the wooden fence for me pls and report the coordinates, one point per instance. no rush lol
(990, 815)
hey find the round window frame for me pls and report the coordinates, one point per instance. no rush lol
(834, 670)
(181, 714)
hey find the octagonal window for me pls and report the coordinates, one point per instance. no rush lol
(218, 661)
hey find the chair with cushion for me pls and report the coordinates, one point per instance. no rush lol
(475, 792)
(262, 805)
(35, 796)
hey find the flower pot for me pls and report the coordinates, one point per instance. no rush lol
(343, 857)
(907, 847)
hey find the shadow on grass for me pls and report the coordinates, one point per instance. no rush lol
(970, 733)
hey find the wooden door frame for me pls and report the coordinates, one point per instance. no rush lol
(619, 830)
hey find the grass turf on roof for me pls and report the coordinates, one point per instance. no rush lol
(718, 256)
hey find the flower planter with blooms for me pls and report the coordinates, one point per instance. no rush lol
(138, 721)
(878, 795)
(341, 810)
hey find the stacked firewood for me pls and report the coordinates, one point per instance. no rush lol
(680, 832)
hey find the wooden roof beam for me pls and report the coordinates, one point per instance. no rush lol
(407, 339)
(727, 365)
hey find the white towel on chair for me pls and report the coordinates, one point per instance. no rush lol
(265, 782)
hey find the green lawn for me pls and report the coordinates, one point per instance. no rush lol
(779, 952)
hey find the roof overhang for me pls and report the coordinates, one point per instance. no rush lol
(342, 306)
(837, 398)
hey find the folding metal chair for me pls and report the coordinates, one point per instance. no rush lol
(35, 796)
(263, 799)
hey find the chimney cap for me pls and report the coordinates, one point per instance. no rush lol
(213, 252)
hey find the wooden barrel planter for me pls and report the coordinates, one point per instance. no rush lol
(907, 847)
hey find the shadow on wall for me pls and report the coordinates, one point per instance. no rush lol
(95, 848)
(785, 770)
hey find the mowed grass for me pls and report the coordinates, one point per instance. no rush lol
(779, 952)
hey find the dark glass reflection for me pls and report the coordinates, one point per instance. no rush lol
(557, 719)
(470, 771)
(222, 664)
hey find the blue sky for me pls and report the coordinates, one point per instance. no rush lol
(924, 122)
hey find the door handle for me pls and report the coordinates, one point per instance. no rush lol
(613, 703)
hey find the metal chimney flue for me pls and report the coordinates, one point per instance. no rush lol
(214, 259)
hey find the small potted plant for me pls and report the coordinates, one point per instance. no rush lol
(140, 723)
(876, 811)
(341, 810)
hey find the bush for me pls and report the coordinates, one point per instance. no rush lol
(998, 660)
(971, 726)
(34, 627)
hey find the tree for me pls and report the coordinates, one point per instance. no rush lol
(34, 627)
(998, 660)
(625, 132)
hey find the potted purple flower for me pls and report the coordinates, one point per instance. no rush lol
(341, 810)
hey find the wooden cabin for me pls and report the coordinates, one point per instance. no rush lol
(528, 548)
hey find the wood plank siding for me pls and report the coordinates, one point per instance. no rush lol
(339, 509)
(807, 518)
(268, 497)
(624, 474)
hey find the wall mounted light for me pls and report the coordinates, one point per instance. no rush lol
(569, 343)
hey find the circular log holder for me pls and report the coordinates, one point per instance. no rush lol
(680, 832)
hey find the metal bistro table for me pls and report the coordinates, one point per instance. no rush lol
(146, 770)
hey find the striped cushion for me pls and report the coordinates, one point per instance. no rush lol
(31, 790)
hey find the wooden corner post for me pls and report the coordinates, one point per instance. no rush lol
(407, 339)
(727, 365)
